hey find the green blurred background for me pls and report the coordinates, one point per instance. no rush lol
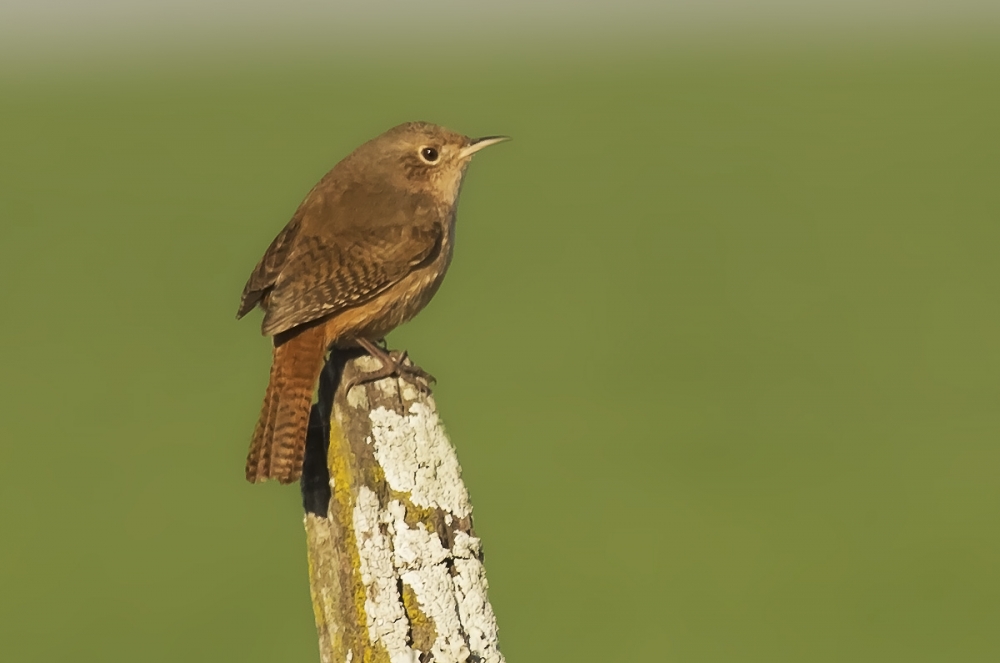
(718, 349)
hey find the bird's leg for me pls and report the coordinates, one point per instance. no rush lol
(393, 364)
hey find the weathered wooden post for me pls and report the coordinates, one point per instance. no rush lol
(395, 567)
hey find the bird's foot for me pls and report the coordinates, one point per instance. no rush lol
(395, 363)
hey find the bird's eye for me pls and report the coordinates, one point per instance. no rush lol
(428, 154)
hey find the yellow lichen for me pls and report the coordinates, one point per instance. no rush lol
(341, 474)
(422, 630)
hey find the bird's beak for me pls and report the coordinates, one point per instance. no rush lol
(479, 143)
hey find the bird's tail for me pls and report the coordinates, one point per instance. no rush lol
(279, 441)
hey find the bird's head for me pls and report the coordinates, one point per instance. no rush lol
(421, 157)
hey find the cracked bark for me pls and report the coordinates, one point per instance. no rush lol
(395, 566)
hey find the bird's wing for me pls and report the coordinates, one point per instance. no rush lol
(265, 274)
(325, 274)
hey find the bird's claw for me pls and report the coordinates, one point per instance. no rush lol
(395, 364)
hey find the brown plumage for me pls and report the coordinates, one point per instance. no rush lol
(364, 252)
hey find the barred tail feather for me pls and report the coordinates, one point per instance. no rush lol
(279, 440)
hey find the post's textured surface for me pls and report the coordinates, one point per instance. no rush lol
(365, 251)
(396, 569)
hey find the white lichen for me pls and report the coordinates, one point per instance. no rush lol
(418, 458)
(423, 565)
(387, 623)
(474, 609)
(449, 585)
(454, 599)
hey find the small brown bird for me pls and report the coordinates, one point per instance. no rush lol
(365, 251)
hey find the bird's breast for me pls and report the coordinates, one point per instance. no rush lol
(399, 303)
